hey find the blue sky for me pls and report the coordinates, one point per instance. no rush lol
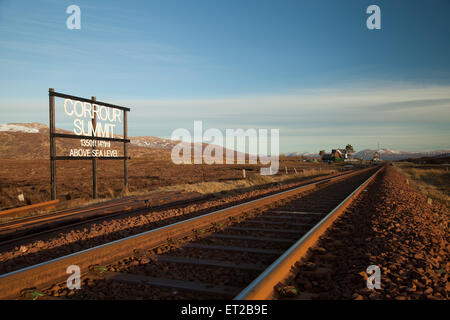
(310, 68)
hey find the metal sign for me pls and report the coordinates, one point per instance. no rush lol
(92, 134)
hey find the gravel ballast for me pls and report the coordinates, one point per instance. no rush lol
(390, 225)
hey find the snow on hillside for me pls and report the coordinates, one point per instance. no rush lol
(385, 154)
(32, 127)
(153, 142)
(17, 128)
(161, 143)
(388, 154)
(389, 151)
(299, 154)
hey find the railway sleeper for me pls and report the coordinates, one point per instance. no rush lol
(264, 230)
(237, 237)
(301, 213)
(226, 291)
(233, 248)
(208, 262)
(280, 223)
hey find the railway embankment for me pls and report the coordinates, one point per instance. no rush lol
(391, 225)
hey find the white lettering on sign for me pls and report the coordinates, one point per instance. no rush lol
(105, 131)
(83, 127)
(94, 153)
(106, 119)
(95, 143)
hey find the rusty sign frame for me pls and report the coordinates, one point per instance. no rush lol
(53, 157)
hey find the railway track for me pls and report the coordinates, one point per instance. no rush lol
(242, 251)
(25, 228)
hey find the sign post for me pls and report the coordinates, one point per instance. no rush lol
(52, 143)
(94, 161)
(96, 135)
(125, 152)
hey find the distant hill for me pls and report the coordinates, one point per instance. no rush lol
(388, 154)
(385, 154)
(441, 159)
(31, 141)
(302, 154)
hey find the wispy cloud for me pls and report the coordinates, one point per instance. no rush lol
(410, 118)
(430, 104)
(399, 116)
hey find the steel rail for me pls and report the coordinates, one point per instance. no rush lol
(54, 271)
(19, 210)
(262, 288)
(74, 217)
(34, 221)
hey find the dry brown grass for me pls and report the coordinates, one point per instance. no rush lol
(74, 178)
(433, 182)
(252, 181)
(228, 187)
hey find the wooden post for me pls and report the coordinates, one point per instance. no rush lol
(125, 152)
(52, 143)
(53, 134)
(94, 160)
